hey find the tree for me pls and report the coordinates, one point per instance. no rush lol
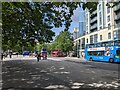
(27, 21)
(24, 20)
(63, 41)
(90, 6)
(50, 47)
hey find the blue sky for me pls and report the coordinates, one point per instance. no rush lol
(75, 21)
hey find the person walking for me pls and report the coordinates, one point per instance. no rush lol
(2, 55)
(10, 54)
(38, 56)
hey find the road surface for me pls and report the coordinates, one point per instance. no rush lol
(59, 73)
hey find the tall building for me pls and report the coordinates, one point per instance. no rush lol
(82, 23)
(79, 31)
(76, 33)
(116, 10)
(103, 24)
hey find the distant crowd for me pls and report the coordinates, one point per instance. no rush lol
(8, 53)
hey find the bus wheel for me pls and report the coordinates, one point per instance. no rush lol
(90, 59)
(111, 60)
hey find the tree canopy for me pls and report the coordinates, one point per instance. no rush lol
(63, 41)
(23, 22)
(27, 21)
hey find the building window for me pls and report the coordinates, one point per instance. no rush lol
(83, 43)
(91, 39)
(100, 37)
(109, 35)
(100, 27)
(118, 34)
(109, 26)
(86, 28)
(86, 17)
(100, 18)
(79, 42)
(108, 18)
(95, 37)
(87, 40)
(99, 7)
(115, 34)
(108, 10)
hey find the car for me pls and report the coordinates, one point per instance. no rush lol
(26, 53)
(15, 53)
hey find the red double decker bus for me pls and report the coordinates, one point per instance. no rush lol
(57, 53)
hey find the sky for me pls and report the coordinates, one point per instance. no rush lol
(75, 22)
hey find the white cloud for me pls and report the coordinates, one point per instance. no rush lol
(78, 15)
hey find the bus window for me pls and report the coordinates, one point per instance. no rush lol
(117, 43)
(118, 52)
(87, 46)
(96, 53)
(104, 44)
(110, 44)
(95, 45)
(98, 45)
(100, 53)
(107, 44)
(89, 54)
(91, 45)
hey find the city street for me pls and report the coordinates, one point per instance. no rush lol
(59, 73)
(70, 37)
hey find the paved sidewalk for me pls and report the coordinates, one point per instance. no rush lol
(21, 57)
(74, 59)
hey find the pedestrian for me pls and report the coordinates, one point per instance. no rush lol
(17, 54)
(2, 56)
(38, 56)
(10, 54)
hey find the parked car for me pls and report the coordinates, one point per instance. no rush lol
(26, 53)
(15, 53)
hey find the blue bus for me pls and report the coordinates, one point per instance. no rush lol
(108, 51)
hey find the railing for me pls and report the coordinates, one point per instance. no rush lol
(94, 12)
(117, 7)
(94, 26)
(117, 16)
(117, 25)
(95, 19)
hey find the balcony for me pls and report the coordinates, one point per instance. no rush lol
(117, 25)
(93, 20)
(116, 8)
(93, 27)
(117, 17)
(94, 14)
